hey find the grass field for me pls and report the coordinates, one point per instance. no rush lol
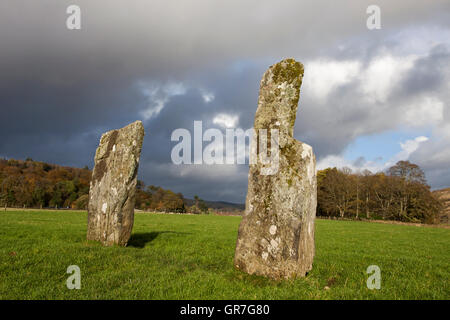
(191, 257)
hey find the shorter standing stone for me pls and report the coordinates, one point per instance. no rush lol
(113, 185)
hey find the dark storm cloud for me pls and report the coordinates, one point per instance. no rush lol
(434, 154)
(429, 72)
(37, 113)
(234, 93)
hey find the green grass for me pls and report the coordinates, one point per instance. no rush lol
(191, 257)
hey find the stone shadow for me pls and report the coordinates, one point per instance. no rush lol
(140, 240)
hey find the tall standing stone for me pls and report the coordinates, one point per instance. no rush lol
(276, 235)
(113, 185)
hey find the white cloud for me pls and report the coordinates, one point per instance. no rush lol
(158, 96)
(383, 74)
(434, 157)
(323, 76)
(427, 110)
(395, 92)
(226, 120)
(340, 162)
(407, 148)
(375, 82)
(207, 96)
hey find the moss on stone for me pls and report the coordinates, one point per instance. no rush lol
(287, 70)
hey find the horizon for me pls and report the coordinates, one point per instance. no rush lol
(193, 197)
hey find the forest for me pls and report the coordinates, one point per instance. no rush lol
(401, 193)
(33, 184)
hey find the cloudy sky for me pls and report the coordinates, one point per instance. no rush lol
(369, 97)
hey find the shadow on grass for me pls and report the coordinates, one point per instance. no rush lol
(139, 240)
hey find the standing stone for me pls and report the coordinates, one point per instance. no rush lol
(276, 235)
(113, 185)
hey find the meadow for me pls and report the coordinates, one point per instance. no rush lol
(191, 257)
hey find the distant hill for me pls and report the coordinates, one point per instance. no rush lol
(220, 205)
(444, 194)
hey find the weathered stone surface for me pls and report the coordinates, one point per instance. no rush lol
(113, 185)
(276, 235)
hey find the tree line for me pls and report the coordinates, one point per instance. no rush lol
(37, 184)
(33, 184)
(154, 198)
(401, 193)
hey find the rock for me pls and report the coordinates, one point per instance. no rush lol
(276, 235)
(113, 185)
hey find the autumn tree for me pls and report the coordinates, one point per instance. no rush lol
(399, 194)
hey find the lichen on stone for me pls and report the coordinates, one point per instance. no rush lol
(113, 185)
(286, 200)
